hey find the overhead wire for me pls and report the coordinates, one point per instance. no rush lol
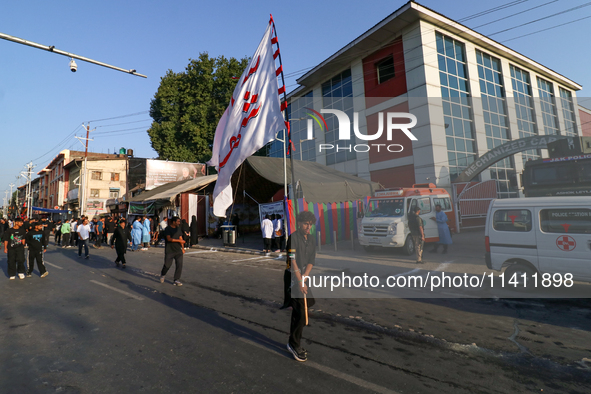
(512, 15)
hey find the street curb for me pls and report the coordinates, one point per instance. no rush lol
(237, 250)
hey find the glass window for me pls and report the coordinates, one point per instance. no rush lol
(385, 69)
(455, 93)
(385, 208)
(512, 220)
(568, 220)
(95, 193)
(96, 175)
(496, 122)
(337, 93)
(445, 203)
(548, 105)
(114, 176)
(568, 112)
(424, 203)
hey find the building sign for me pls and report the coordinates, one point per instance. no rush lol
(95, 205)
(500, 152)
(160, 172)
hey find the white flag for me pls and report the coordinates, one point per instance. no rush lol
(252, 120)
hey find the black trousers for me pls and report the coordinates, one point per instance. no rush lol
(178, 264)
(66, 239)
(267, 242)
(58, 237)
(120, 258)
(36, 255)
(286, 288)
(298, 319)
(16, 261)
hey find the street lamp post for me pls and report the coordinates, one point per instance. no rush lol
(310, 139)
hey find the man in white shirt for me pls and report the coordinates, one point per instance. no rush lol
(83, 231)
(278, 230)
(267, 230)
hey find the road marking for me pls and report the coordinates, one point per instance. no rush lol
(252, 258)
(203, 251)
(407, 273)
(443, 266)
(53, 265)
(117, 290)
(333, 372)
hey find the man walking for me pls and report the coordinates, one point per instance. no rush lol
(14, 247)
(119, 242)
(416, 226)
(83, 231)
(99, 233)
(109, 228)
(301, 258)
(173, 250)
(37, 240)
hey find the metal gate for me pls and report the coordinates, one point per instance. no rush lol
(472, 200)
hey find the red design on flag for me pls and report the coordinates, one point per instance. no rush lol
(566, 243)
(252, 70)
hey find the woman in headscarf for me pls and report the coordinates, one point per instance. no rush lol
(147, 228)
(186, 229)
(194, 235)
(136, 234)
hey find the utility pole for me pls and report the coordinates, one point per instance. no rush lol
(28, 191)
(10, 199)
(83, 183)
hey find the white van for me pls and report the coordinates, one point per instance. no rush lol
(540, 234)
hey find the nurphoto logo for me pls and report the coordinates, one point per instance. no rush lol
(392, 119)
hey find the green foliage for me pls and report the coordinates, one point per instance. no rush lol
(188, 105)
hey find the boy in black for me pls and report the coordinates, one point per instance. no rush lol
(14, 246)
(173, 250)
(119, 242)
(37, 241)
(300, 261)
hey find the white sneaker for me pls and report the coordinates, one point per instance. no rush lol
(12, 277)
(45, 274)
(162, 279)
(21, 276)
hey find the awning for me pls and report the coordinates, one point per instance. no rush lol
(169, 191)
(319, 183)
(47, 210)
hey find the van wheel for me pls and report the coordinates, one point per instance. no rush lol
(409, 246)
(518, 269)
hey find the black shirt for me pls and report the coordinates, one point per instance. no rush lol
(14, 238)
(37, 240)
(305, 250)
(110, 226)
(172, 247)
(415, 222)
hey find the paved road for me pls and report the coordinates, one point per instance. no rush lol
(92, 328)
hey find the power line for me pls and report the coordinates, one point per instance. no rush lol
(117, 131)
(548, 28)
(512, 15)
(541, 19)
(119, 124)
(119, 117)
(491, 10)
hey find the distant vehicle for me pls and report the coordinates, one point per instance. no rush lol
(539, 235)
(385, 220)
(559, 176)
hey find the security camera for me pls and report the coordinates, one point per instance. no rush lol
(73, 66)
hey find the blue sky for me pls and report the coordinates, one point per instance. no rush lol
(42, 102)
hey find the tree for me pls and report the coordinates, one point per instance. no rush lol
(188, 105)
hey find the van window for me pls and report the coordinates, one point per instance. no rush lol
(424, 203)
(385, 208)
(567, 220)
(512, 220)
(444, 202)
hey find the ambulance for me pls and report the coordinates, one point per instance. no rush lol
(385, 220)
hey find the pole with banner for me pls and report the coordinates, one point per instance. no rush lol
(251, 120)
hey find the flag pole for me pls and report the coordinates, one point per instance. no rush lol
(286, 136)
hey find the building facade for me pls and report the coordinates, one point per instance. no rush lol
(468, 92)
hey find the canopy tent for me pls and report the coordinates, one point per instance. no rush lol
(263, 177)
